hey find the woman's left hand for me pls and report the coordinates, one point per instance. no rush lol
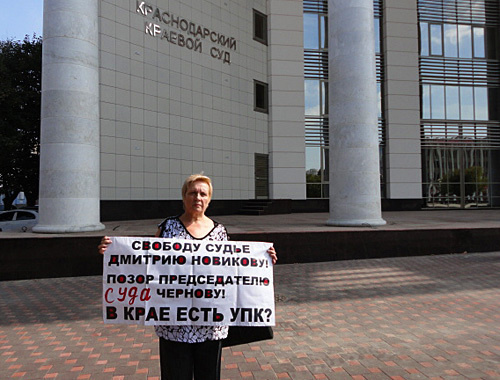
(273, 254)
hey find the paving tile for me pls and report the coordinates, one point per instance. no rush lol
(432, 317)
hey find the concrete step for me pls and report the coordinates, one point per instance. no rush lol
(255, 207)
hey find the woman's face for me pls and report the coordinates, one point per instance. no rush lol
(197, 198)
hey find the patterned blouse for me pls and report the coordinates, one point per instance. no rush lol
(173, 228)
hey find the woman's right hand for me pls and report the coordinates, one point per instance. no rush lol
(105, 242)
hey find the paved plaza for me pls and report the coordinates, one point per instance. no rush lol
(428, 317)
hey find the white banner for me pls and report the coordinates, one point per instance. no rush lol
(157, 281)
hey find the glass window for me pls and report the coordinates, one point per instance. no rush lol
(450, 41)
(317, 172)
(313, 190)
(325, 159)
(426, 101)
(259, 27)
(377, 35)
(436, 40)
(466, 103)
(312, 97)
(313, 160)
(481, 103)
(23, 215)
(323, 32)
(261, 97)
(437, 102)
(324, 98)
(479, 43)
(424, 38)
(313, 172)
(6, 216)
(455, 172)
(311, 31)
(452, 103)
(465, 41)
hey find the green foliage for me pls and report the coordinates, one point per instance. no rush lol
(20, 99)
(313, 190)
(313, 178)
(475, 181)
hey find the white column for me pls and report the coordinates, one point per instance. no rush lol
(69, 162)
(353, 115)
(286, 100)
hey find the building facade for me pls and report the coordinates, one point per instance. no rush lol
(188, 86)
(241, 90)
(437, 75)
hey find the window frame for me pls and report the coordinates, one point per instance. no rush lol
(256, 15)
(265, 86)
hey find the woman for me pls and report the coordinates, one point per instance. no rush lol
(188, 350)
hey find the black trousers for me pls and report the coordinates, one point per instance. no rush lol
(180, 361)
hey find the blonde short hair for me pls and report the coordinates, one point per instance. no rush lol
(195, 178)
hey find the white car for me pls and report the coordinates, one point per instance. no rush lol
(21, 220)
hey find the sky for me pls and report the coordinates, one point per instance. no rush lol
(19, 18)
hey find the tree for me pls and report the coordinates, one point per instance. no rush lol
(476, 181)
(20, 101)
(313, 183)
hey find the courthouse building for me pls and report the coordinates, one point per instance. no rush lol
(137, 95)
